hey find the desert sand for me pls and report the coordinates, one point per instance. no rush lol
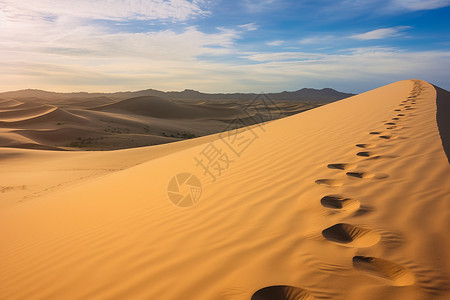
(349, 200)
(35, 119)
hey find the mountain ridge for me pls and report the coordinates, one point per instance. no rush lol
(304, 94)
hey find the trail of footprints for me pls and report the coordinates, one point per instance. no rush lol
(353, 236)
(349, 235)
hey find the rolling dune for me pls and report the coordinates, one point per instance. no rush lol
(50, 115)
(345, 201)
(68, 124)
(20, 114)
(9, 103)
(157, 107)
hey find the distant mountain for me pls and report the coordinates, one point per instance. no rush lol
(305, 94)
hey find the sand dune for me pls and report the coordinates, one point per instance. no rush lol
(21, 114)
(52, 136)
(49, 115)
(295, 214)
(162, 108)
(8, 103)
(133, 122)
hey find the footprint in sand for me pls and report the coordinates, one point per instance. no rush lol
(342, 166)
(375, 157)
(397, 110)
(351, 236)
(365, 154)
(375, 132)
(366, 146)
(282, 292)
(362, 175)
(340, 202)
(390, 123)
(395, 273)
(387, 137)
(330, 182)
(366, 175)
(395, 119)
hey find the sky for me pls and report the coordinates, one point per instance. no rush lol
(223, 45)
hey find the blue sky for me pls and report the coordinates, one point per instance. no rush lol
(222, 46)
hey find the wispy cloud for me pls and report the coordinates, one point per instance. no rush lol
(175, 10)
(349, 9)
(133, 44)
(316, 39)
(95, 42)
(419, 4)
(249, 26)
(353, 70)
(361, 67)
(283, 56)
(275, 43)
(43, 48)
(382, 33)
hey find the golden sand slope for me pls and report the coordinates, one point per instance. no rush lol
(346, 201)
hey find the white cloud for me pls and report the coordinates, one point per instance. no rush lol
(350, 9)
(66, 52)
(92, 42)
(51, 45)
(282, 56)
(420, 4)
(60, 29)
(381, 33)
(316, 39)
(176, 10)
(249, 26)
(353, 70)
(275, 43)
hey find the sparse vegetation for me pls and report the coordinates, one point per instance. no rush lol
(81, 142)
(180, 135)
(116, 130)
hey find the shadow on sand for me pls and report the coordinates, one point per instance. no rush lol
(443, 118)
